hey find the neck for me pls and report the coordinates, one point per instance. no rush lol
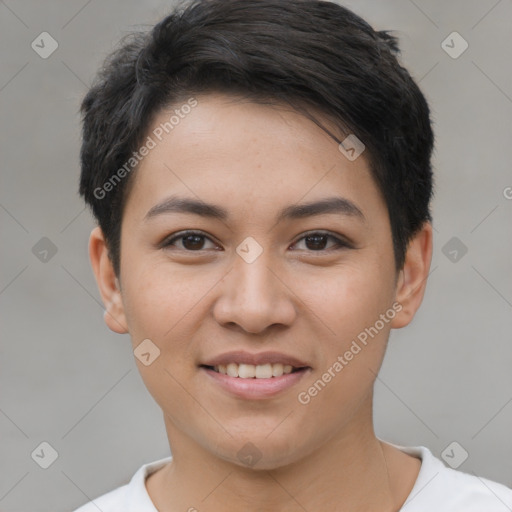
(353, 471)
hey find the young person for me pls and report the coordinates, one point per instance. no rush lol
(260, 171)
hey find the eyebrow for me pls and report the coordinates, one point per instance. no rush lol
(329, 205)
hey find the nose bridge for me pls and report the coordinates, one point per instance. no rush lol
(255, 279)
(253, 296)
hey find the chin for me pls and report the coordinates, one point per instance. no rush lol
(260, 453)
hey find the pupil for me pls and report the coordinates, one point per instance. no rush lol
(316, 238)
(197, 239)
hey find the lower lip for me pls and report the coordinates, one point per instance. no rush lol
(255, 388)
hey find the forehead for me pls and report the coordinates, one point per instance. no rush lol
(247, 156)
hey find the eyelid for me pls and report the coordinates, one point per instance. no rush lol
(340, 239)
(181, 234)
(341, 242)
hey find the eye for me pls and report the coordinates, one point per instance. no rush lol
(316, 241)
(194, 241)
(190, 241)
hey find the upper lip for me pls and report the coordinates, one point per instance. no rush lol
(242, 357)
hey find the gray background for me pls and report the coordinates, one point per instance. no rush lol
(67, 380)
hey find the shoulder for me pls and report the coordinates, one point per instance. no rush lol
(477, 492)
(132, 497)
(441, 488)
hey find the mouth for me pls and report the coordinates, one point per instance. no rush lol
(251, 371)
(254, 376)
(253, 382)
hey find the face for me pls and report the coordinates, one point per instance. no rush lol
(264, 273)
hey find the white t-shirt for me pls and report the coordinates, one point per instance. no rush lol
(438, 488)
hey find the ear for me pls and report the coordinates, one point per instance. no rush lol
(107, 281)
(412, 279)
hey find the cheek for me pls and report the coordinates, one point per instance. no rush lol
(349, 359)
(166, 304)
(355, 309)
(158, 297)
(348, 299)
(157, 304)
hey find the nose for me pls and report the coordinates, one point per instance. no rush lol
(255, 296)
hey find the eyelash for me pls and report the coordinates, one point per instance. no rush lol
(339, 242)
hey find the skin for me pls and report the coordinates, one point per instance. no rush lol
(254, 160)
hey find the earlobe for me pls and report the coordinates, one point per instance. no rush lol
(107, 281)
(412, 280)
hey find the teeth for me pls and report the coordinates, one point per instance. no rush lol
(277, 370)
(249, 371)
(262, 371)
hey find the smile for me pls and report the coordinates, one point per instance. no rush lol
(251, 371)
(247, 385)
